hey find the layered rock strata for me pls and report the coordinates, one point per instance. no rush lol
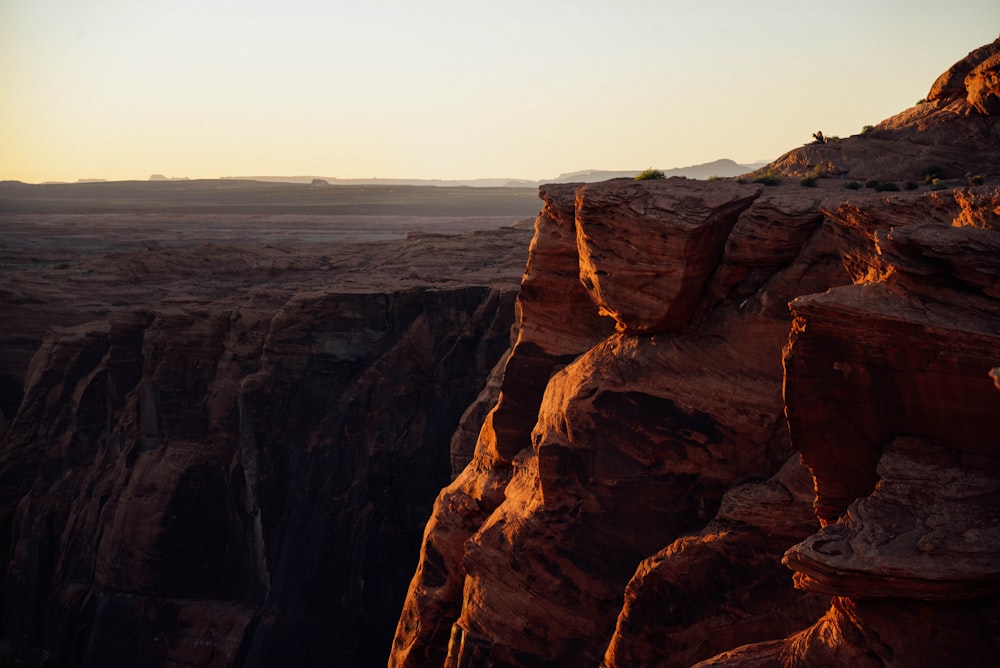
(645, 521)
(711, 384)
(907, 471)
(660, 411)
(556, 322)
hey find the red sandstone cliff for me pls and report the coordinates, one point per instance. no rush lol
(669, 432)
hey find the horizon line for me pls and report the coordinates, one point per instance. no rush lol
(277, 178)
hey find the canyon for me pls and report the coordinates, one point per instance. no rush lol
(231, 428)
(737, 422)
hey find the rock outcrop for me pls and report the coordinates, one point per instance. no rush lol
(526, 556)
(954, 131)
(907, 467)
(650, 501)
(557, 321)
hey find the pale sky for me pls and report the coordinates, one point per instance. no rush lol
(122, 89)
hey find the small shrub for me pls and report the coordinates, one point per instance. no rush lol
(871, 183)
(808, 181)
(933, 172)
(974, 179)
(771, 177)
(868, 128)
(818, 171)
(650, 175)
(910, 185)
(887, 186)
(937, 184)
(852, 185)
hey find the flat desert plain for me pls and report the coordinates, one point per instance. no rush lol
(72, 253)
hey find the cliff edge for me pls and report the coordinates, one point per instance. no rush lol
(743, 425)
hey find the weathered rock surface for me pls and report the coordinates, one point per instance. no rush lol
(896, 370)
(881, 632)
(645, 520)
(235, 470)
(908, 470)
(870, 360)
(921, 534)
(653, 428)
(557, 321)
(624, 235)
(719, 587)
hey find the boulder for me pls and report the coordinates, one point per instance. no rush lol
(648, 248)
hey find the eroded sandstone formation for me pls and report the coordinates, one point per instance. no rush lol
(635, 442)
(660, 476)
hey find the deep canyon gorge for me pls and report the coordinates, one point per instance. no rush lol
(678, 423)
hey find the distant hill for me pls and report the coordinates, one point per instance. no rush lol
(722, 168)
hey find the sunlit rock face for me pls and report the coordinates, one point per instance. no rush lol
(632, 441)
(798, 378)
(908, 354)
(900, 370)
(891, 400)
(627, 229)
(972, 80)
(556, 322)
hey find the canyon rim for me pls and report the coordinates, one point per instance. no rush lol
(714, 423)
(745, 422)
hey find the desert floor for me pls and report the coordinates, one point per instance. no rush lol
(74, 253)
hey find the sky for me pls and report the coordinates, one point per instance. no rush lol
(442, 89)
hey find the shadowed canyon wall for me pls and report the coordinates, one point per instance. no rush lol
(196, 486)
(239, 476)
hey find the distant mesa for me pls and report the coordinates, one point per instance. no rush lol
(319, 183)
(721, 168)
(161, 177)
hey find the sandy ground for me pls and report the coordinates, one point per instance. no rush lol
(54, 234)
